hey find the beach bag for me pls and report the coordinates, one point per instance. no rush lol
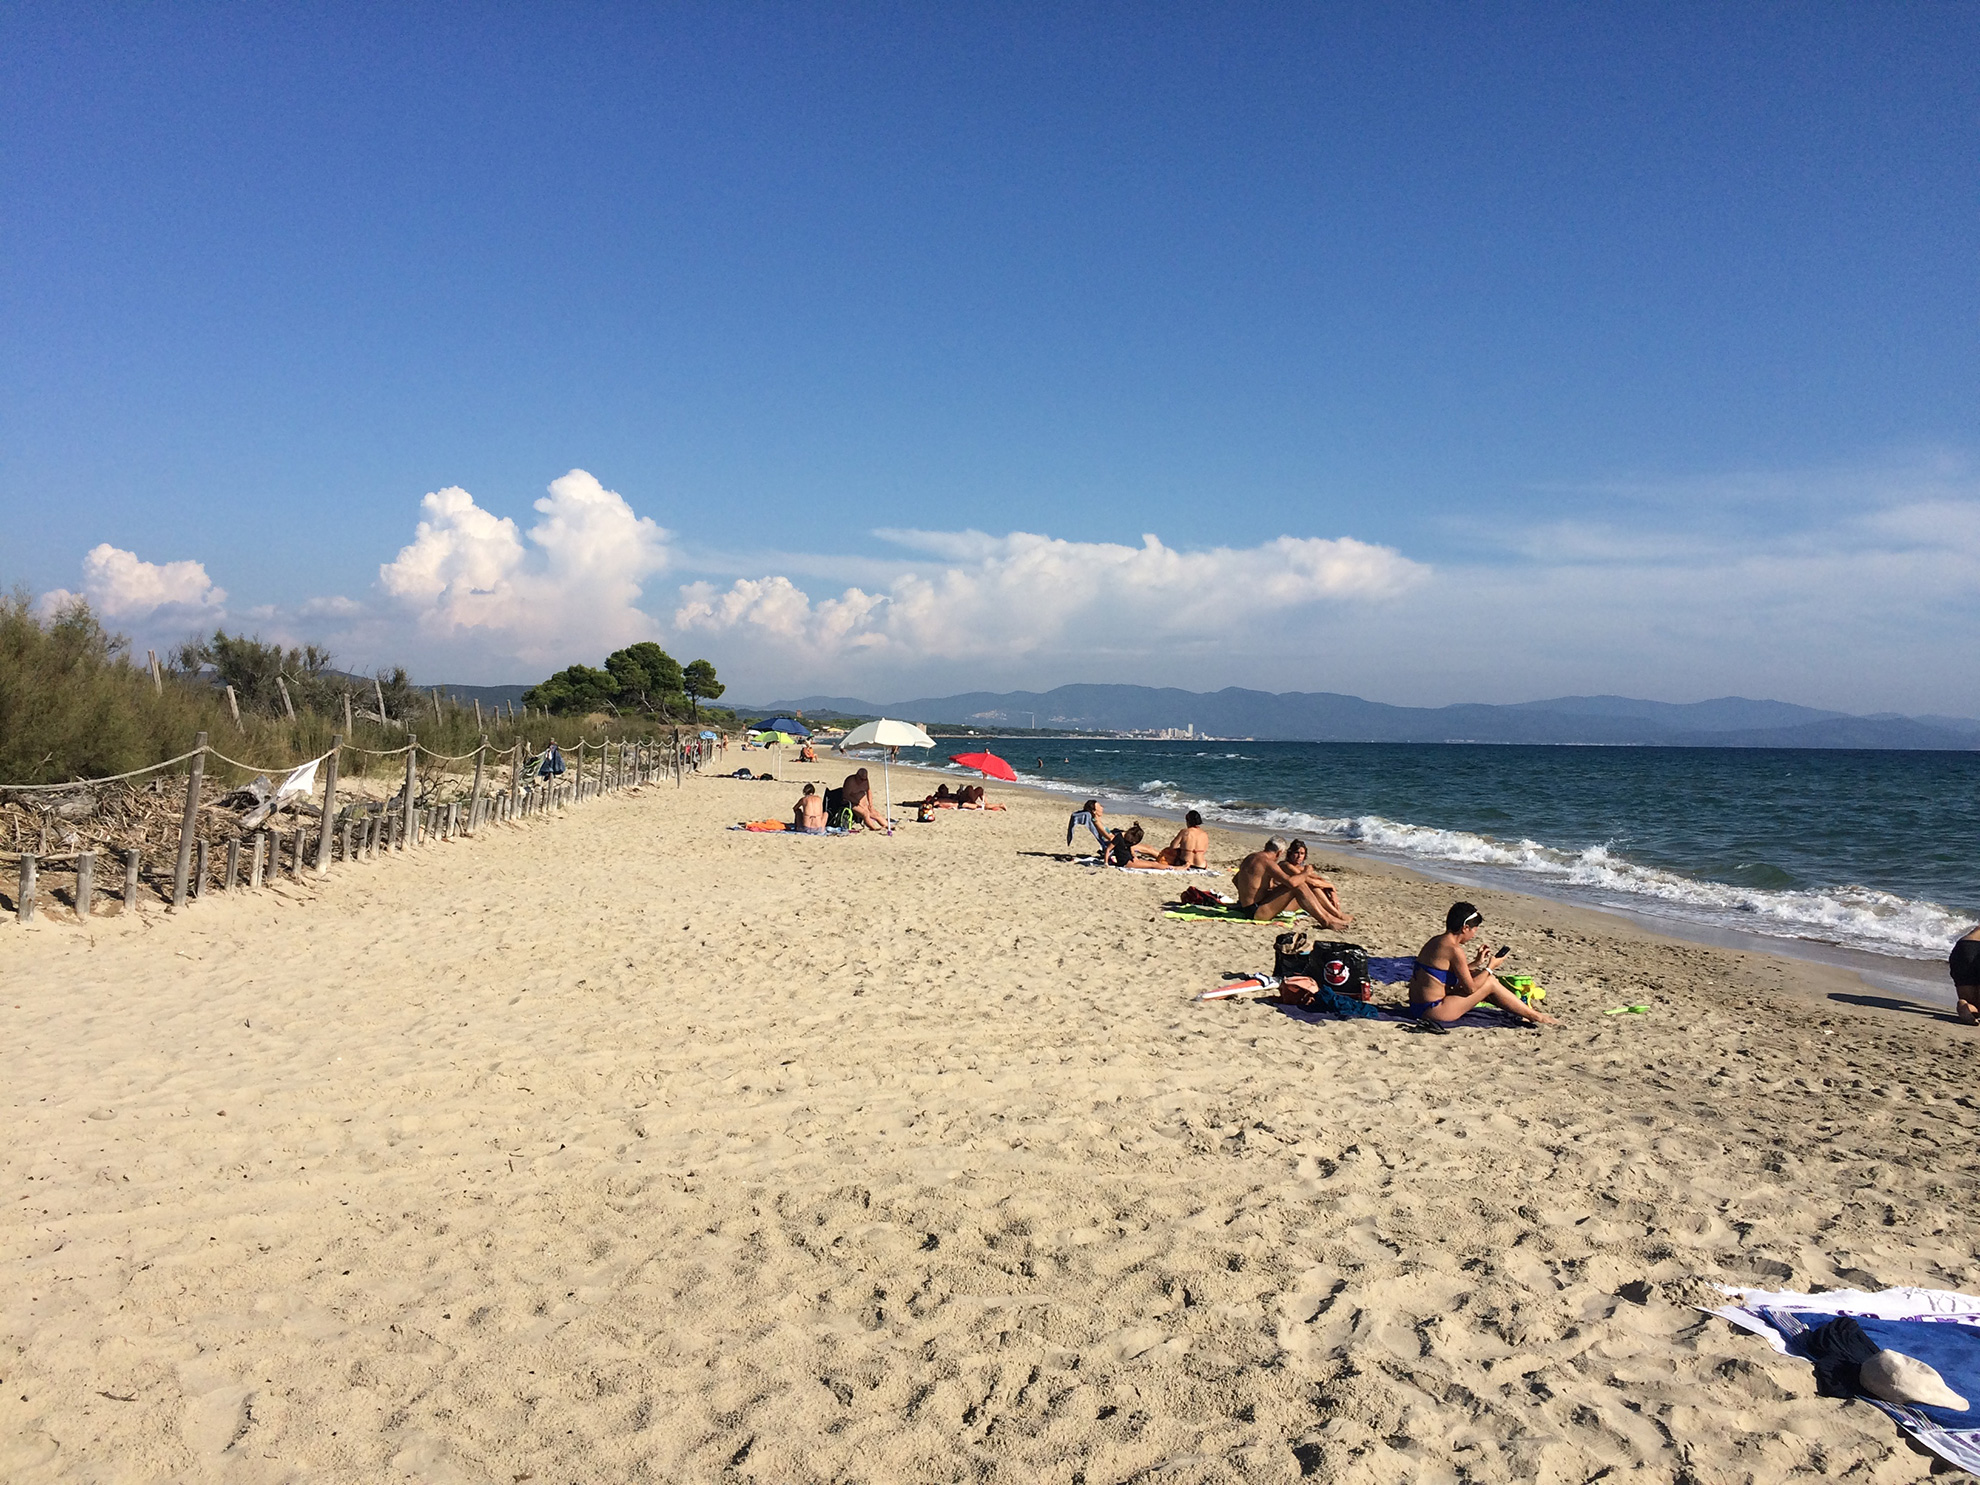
(1336, 967)
(1309, 995)
(1197, 897)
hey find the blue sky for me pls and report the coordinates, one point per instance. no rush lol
(1570, 348)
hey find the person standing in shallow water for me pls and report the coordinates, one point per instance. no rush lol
(1965, 966)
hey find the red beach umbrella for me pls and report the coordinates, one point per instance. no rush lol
(987, 764)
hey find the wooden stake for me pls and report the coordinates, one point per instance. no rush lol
(436, 704)
(257, 869)
(329, 816)
(234, 706)
(287, 705)
(412, 771)
(157, 676)
(24, 899)
(479, 725)
(132, 861)
(199, 874)
(347, 843)
(480, 767)
(350, 727)
(189, 825)
(85, 883)
(233, 863)
(379, 691)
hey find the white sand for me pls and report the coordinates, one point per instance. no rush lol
(621, 1147)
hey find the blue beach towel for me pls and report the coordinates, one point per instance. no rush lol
(1939, 1327)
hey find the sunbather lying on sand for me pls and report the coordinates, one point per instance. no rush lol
(1264, 888)
(1446, 984)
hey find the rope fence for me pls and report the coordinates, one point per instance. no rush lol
(229, 854)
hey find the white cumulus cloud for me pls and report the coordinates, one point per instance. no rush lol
(121, 585)
(568, 587)
(1027, 594)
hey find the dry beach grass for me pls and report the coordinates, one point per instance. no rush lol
(624, 1147)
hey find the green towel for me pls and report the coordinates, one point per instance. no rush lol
(1229, 913)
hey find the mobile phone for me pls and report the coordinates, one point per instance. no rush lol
(1501, 952)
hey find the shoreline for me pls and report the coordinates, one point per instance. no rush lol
(1921, 982)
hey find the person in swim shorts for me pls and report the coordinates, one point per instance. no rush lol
(1264, 890)
(1445, 984)
(1965, 967)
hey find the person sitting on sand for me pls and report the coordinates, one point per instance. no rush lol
(970, 796)
(1088, 817)
(1124, 847)
(1446, 985)
(857, 792)
(809, 816)
(1264, 890)
(1296, 869)
(806, 754)
(1191, 847)
(1965, 966)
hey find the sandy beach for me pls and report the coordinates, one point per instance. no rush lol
(623, 1146)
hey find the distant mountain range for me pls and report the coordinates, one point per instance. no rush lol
(1325, 716)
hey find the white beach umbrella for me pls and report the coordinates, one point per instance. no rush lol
(886, 733)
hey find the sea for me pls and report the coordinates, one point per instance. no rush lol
(1865, 852)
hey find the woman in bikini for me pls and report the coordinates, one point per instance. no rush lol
(1446, 984)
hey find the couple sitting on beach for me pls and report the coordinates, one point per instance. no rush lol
(853, 798)
(1270, 880)
(1191, 847)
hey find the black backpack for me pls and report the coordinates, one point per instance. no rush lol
(1341, 968)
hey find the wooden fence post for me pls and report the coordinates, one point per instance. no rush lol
(346, 856)
(480, 761)
(24, 899)
(329, 806)
(189, 826)
(199, 873)
(260, 858)
(233, 863)
(133, 860)
(515, 771)
(157, 678)
(234, 706)
(412, 781)
(479, 725)
(379, 692)
(287, 705)
(85, 883)
(350, 727)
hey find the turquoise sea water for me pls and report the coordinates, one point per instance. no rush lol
(1878, 851)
